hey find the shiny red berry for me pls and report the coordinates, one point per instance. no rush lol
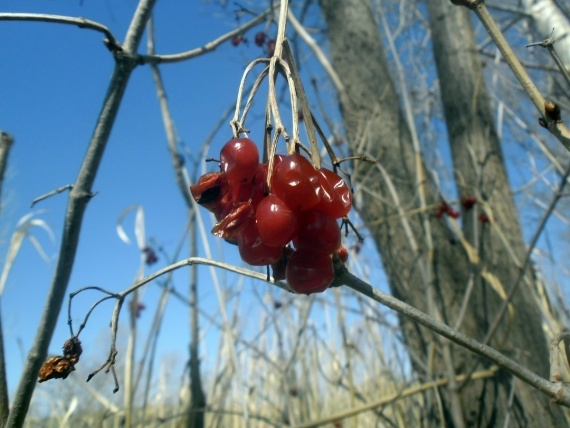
(239, 159)
(318, 232)
(335, 195)
(309, 272)
(253, 251)
(276, 223)
(296, 182)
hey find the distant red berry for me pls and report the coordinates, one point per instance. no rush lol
(444, 208)
(468, 202)
(150, 256)
(453, 214)
(237, 40)
(483, 218)
(260, 38)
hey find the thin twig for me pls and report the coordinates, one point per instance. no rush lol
(208, 47)
(549, 44)
(52, 193)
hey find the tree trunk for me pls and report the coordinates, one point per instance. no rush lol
(426, 264)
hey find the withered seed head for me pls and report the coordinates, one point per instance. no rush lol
(55, 368)
(72, 348)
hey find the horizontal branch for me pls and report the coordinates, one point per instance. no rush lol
(208, 47)
(558, 391)
(111, 41)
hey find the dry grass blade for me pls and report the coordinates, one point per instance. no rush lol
(23, 231)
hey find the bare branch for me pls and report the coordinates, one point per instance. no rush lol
(558, 129)
(558, 391)
(111, 42)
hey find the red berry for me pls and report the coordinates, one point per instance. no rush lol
(260, 38)
(239, 159)
(319, 232)
(335, 195)
(483, 218)
(253, 251)
(453, 214)
(223, 206)
(309, 272)
(468, 202)
(276, 223)
(296, 182)
(237, 40)
(259, 185)
(342, 253)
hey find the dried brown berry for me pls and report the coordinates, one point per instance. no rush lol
(55, 368)
(72, 349)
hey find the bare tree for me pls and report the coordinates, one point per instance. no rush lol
(463, 282)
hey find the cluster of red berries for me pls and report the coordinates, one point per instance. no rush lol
(467, 202)
(445, 208)
(302, 208)
(261, 39)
